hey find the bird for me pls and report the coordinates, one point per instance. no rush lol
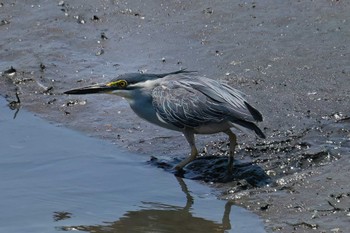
(184, 102)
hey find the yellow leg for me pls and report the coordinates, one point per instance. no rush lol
(233, 143)
(190, 138)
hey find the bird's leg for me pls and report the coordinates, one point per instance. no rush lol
(233, 143)
(190, 138)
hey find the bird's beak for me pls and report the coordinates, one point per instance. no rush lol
(90, 90)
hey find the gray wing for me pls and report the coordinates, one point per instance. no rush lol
(225, 95)
(182, 106)
(193, 102)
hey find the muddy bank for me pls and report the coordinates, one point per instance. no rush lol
(290, 57)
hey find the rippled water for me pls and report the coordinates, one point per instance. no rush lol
(54, 179)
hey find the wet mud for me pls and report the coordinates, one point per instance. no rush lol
(290, 57)
(211, 168)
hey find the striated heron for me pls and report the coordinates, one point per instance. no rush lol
(183, 102)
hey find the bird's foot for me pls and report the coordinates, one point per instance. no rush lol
(179, 172)
(178, 167)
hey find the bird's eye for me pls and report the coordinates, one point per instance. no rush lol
(119, 83)
(122, 83)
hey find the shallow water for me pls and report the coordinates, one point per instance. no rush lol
(54, 179)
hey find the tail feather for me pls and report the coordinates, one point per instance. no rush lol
(255, 113)
(251, 126)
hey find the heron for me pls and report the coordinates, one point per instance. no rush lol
(184, 102)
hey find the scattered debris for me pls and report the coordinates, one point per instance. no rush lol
(95, 18)
(52, 101)
(61, 3)
(4, 22)
(15, 105)
(42, 67)
(265, 207)
(75, 102)
(10, 72)
(61, 215)
(103, 36)
(100, 52)
(208, 11)
(48, 91)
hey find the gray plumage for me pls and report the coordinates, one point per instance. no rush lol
(188, 101)
(184, 102)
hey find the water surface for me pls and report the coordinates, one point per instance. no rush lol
(54, 179)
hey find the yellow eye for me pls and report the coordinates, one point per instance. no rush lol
(119, 83)
(122, 83)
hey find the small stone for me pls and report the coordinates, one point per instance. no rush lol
(10, 72)
(99, 53)
(95, 18)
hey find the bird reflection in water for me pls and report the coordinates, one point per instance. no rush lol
(159, 217)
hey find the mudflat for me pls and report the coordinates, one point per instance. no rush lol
(290, 57)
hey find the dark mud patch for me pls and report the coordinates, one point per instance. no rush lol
(214, 169)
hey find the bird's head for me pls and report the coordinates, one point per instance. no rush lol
(123, 85)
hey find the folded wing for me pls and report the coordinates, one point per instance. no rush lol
(194, 101)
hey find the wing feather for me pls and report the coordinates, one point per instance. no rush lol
(227, 96)
(193, 101)
(184, 107)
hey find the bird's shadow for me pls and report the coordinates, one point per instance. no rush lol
(215, 169)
